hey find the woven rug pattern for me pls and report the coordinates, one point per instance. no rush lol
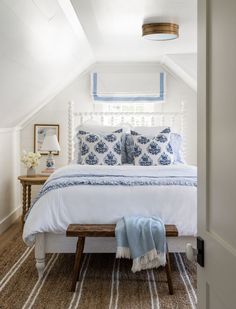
(105, 282)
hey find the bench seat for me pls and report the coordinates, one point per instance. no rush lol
(108, 230)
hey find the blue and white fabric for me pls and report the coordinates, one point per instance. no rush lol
(94, 126)
(175, 143)
(102, 194)
(129, 147)
(143, 239)
(153, 151)
(100, 150)
(115, 177)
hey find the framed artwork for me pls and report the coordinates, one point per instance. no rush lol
(40, 131)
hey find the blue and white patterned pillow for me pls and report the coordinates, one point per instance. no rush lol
(175, 143)
(100, 150)
(80, 150)
(153, 151)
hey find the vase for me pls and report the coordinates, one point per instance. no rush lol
(50, 162)
(31, 171)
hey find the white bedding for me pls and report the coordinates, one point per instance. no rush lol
(174, 204)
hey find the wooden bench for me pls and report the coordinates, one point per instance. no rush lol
(108, 230)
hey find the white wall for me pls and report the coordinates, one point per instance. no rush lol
(12, 142)
(40, 53)
(79, 92)
(10, 204)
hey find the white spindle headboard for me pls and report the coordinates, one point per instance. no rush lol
(176, 120)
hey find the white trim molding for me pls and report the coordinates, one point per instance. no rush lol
(168, 63)
(8, 130)
(10, 219)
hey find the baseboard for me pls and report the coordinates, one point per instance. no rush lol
(10, 219)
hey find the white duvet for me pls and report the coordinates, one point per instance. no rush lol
(174, 204)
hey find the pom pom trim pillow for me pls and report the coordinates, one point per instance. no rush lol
(101, 150)
(153, 151)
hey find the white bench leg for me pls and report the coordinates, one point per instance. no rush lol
(40, 254)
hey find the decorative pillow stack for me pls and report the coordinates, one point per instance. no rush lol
(100, 150)
(152, 151)
(141, 146)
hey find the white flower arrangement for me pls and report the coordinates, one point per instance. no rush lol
(30, 159)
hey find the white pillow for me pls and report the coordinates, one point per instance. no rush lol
(94, 126)
(148, 131)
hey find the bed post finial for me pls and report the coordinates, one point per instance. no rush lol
(70, 130)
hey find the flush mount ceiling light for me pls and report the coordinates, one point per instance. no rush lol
(160, 31)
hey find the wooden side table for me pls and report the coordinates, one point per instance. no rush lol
(27, 182)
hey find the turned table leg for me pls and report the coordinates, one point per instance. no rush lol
(26, 201)
(29, 198)
(24, 204)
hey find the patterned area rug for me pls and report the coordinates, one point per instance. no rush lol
(104, 282)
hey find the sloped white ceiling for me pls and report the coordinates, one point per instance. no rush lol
(114, 27)
(39, 53)
(184, 66)
(188, 62)
(45, 44)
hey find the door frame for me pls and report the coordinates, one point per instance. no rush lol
(202, 111)
(205, 121)
(202, 138)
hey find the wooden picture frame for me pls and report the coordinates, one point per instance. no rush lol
(40, 131)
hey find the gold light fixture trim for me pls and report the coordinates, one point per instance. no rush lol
(160, 31)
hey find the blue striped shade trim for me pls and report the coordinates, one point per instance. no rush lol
(160, 98)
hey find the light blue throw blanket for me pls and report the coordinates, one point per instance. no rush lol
(143, 240)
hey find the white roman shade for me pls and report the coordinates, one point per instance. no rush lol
(128, 86)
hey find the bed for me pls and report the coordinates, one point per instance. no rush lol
(103, 194)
